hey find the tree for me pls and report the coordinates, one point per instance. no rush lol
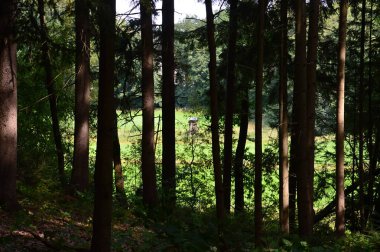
(168, 105)
(101, 232)
(283, 128)
(49, 84)
(8, 105)
(214, 113)
(80, 173)
(147, 155)
(340, 202)
(259, 123)
(119, 177)
(312, 47)
(361, 117)
(230, 104)
(304, 188)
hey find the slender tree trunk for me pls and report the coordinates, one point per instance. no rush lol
(118, 169)
(258, 123)
(230, 104)
(214, 113)
(101, 233)
(312, 48)
(372, 155)
(8, 105)
(283, 128)
(168, 106)
(239, 157)
(340, 202)
(304, 201)
(80, 173)
(147, 155)
(292, 177)
(361, 117)
(49, 83)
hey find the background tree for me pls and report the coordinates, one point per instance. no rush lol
(80, 172)
(147, 151)
(101, 233)
(8, 104)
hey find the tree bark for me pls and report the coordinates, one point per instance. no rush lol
(118, 168)
(258, 123)
(80, 173)
(312, 48)
(230, 104)
(214, 113)
(240, 149)
(168, 106)
(101, 238)
(49, 83)
(283, 122)
(8, 105)
(147, 155)
(340, 202)
(304, 188)
(361, 117)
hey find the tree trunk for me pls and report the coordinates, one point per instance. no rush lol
(340, 202)
(283, 128)
(147, 155)
(304, 188)
(168, 106)
(49, 83)
(80, 173)
(230, 104)
(312, 48)
(8, 105)
(239, 157)
(118, 169)
(292, 176)
(258, 123)
(101, 239)
(361, 117)
(214, 113)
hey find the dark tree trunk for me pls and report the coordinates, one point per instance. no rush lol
(292, 176)
(230, 104)
(118, 168)
(49, 83)
(340, 202)
(283, 122)
(312, 48)
(101, 239)
(258, 123)
(240, 149)
(304, 188)
(8, 105)
(168, 106)
(214, 113)
(361, 117)
(80, 173)
(147, 156)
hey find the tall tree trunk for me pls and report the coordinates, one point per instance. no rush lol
(312, 48)
(101, 238)
(168, 106)
(361, 117)
(80, 173)
(283, 128)
(118, 169)
(258, 123)
(292, 176)
(214, 113)
(230, 104)
(49, 83)
(147, 155)
(340, 202)
(372, 155)
(304, 188)
(239, 157)
(8, 105)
